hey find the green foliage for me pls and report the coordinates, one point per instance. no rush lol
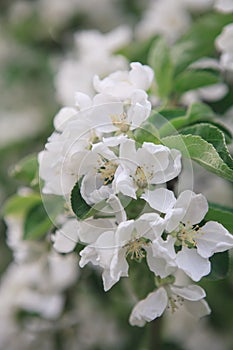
(160, 60)
(192, 79)
(37, 222)
(219, 266)
(19, 205)
(147, 132)
(213, 135)
(199, 40)
(221, 214)
(80, 208)
(26, 171)
(203, 152)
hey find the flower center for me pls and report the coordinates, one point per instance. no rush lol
(140, 178)
(174, 302)
(120, 121)
(186, 235)
(107, 170)
(135, 248)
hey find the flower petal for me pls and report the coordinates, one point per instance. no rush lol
(149, 308)
(213, 238)
(191, 292)
(160, 199)
(195, 205)
(66, 238)
(192, 263)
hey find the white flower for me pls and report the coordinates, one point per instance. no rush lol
(122, 84)
(148, 165)
(225, 6)
(224, 43)
(197, 244)
(161, 257)
(113, 246)
(169, 297)
(169, 18)
(87, 231)
(93, 54)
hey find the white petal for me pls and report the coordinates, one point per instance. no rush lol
(160, 199)
(192, 263)
(149, 308)
(191, 292)
(197, 309)
(118, 268)
(213, 238)
(195, 205)
(63, 116)
(159, 261)
(91, 229)
(66, 238)
(124, 183)
(82, 101)
(117, 207)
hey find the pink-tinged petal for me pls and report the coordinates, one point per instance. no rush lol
(195, 205)
(213, 238)
(149, 308)
(160, 199)
(192, 263)
(197, 309)
(191, 292)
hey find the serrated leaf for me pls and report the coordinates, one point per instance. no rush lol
(27, 170)
(19, 205)
(199, 40)
(221, 214)
(193, 79)
(213, 135)
(160, 60)
(37, 222)
(201, 151)
(219, 266)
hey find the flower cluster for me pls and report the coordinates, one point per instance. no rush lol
(118, 186)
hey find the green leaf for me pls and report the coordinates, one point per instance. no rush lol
(41, 217)
(27, 170)
(221, 214)
(203, 152)
(219, 266)
(137, 50)
(37, 222)
(79, 206)
(19, 205)
(195, 113)
(199, 40)
(160, 60)
(199, 111)
(213, 135)
(193, 79)
(147, 132)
